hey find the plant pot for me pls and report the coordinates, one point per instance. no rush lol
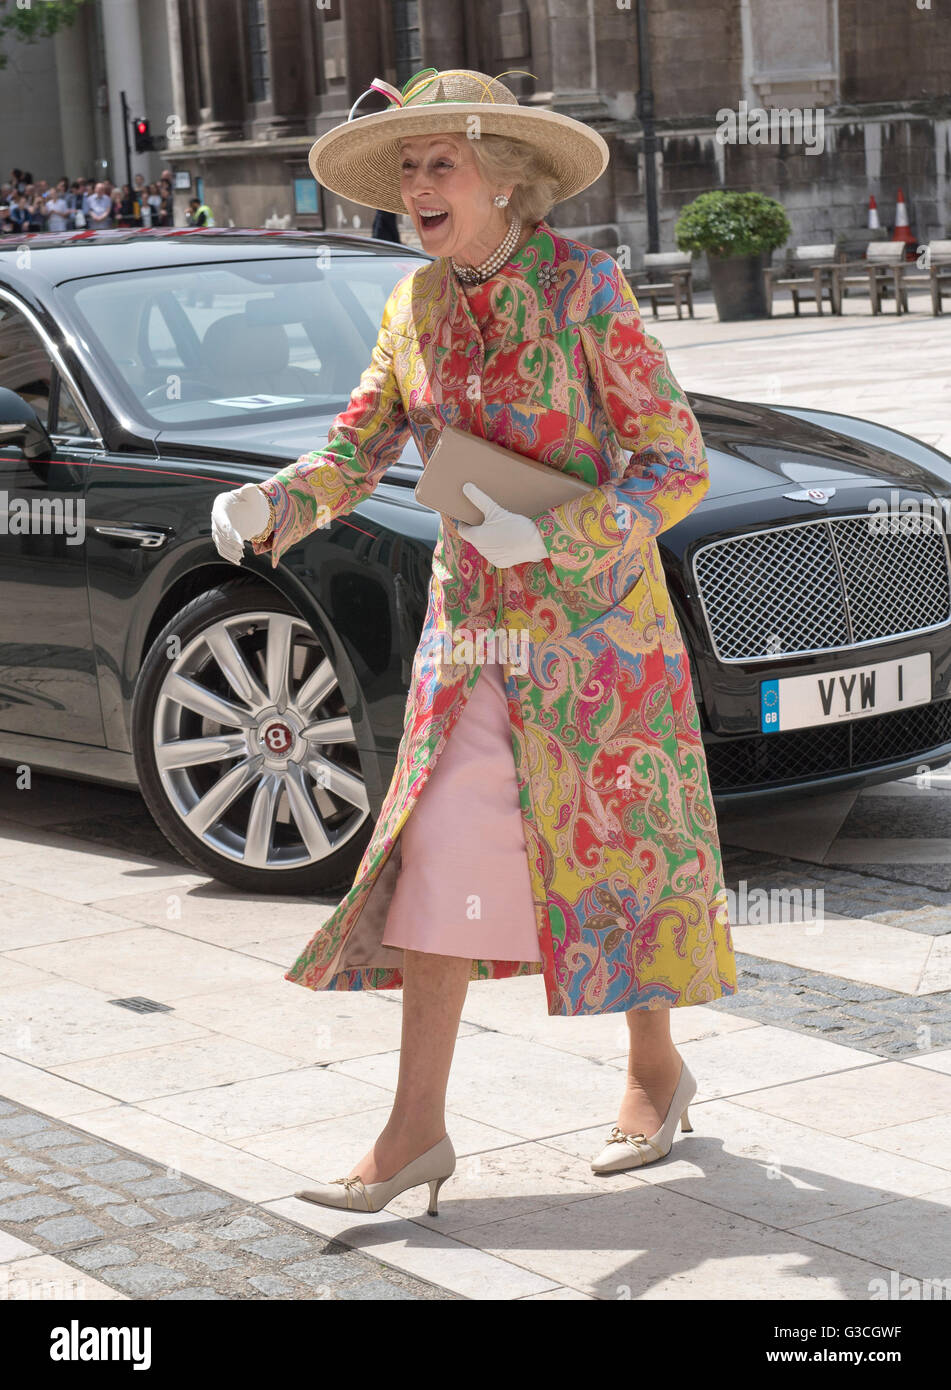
(738, 285)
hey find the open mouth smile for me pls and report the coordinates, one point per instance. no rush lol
(432, 219)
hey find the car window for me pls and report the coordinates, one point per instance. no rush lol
(27, 368)
(25, 365)
(201, 344)
(160, 339)
(65, 417)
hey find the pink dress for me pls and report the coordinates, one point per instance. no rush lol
(464, 888)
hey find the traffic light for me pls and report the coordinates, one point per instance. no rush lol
(143, 140)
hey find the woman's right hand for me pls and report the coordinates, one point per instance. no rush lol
(236, 516)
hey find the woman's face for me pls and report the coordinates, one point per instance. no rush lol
(439, 174)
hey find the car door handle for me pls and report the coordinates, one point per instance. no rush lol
(135, 535)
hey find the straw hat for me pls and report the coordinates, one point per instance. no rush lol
(359, 159)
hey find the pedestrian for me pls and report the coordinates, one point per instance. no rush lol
(74, 200)
(151, 206)
(19, 214)
(37, 209)
(592, 857)
(58, 208)
(98, 209)
(166, 212)
(199, 214)
(126, 207)
(385, 227)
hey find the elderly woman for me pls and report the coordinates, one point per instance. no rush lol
(551, 816)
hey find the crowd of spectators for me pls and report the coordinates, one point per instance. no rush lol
(26, 206)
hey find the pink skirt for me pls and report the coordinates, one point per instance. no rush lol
(464, 888)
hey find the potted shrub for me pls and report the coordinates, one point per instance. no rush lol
(738, 231)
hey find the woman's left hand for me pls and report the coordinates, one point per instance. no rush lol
(504, 538)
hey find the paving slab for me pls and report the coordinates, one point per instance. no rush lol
(156, 1155)
(85, 1220)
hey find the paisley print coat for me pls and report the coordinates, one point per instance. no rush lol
(620, 830)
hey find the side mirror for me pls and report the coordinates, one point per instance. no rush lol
(21, 427)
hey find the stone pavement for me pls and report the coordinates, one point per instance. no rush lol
(155, 1154)
(889, 368)
(94, 1221)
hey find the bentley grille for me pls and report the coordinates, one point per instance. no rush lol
(822, 586)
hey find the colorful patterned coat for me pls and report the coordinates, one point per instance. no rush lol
(624, 855)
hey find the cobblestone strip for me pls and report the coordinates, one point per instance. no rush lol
(867, 1017)
(125, 1221)
(850, 893)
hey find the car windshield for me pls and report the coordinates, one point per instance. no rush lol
(202, 345)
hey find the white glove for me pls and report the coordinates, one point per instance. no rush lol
(504, 538)
(236, 516)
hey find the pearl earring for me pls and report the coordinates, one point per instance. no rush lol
(500, 200)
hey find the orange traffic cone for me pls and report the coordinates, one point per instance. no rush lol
(903, 230)
(873, 222)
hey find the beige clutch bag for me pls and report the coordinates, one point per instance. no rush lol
(517, 483)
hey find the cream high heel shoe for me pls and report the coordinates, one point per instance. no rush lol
(434, 1166)
(634, 1150)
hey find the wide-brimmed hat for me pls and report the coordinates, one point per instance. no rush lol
(359, 159)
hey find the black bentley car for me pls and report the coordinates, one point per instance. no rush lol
(259, 711)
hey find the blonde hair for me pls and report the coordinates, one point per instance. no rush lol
(501, 160)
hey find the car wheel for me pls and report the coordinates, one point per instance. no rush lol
(244, 747)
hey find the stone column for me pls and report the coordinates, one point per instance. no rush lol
(222, 112)
(76, 86)
(442, 34)
(284, 113)
(123, 44)
(364, 47)
(183, 64)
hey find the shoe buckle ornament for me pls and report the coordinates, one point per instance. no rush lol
(354, 1185)
(618, 1136)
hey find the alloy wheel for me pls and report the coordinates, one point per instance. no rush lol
(254, 745)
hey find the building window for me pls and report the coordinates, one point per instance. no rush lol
(409, 54)
(255, 20)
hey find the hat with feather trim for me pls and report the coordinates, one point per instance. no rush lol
(359, 159)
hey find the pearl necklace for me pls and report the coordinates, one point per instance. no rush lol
(475, 275)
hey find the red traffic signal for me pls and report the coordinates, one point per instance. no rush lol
(143, 140)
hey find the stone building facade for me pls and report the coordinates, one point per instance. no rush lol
(879, 73)
(249, 84)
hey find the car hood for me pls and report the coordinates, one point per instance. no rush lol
(754, 447)
(751, 448)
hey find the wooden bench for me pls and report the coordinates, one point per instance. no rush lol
(936, 274)
(676, 289)
(807, 274)
(880, 274)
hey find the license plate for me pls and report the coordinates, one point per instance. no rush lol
(796, 702)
